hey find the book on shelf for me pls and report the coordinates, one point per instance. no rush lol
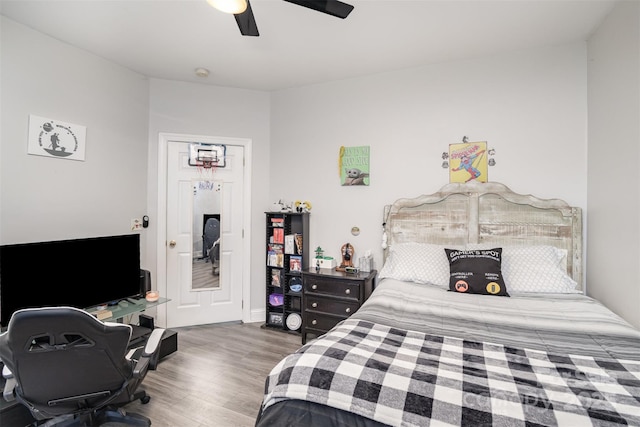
(295, 263)
(277, 222)
(275, 259)
(298, 240)
(275, 256)
(275, 278)
(275, 247)
(278, 235)
(289, 247)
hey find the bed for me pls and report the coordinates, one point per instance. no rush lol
(478, 318)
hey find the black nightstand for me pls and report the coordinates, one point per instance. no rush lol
(331, 296)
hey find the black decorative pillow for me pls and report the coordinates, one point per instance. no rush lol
(476, 271)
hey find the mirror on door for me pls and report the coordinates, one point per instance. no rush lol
(206, 235)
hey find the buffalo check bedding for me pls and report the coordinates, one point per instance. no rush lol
(533, 361)
(408, 378)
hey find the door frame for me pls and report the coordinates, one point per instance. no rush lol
(161, 254)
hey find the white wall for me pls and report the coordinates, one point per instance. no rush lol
(613, 271)
(46, 198)
(530, 106)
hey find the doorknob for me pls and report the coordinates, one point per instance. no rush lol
(172, 243)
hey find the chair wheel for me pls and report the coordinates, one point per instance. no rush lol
(145, 399)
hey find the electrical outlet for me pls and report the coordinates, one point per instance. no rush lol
(136, 224)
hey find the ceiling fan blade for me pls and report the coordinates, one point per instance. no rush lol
(330, 7)
(247, 22)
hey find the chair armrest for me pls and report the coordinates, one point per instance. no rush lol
(149, 357)
(9, 385)
(153, 343)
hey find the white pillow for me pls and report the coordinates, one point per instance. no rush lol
(535, 269)
(417, 262)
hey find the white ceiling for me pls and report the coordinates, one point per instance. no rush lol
(168, 39)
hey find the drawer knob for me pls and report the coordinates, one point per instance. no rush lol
(314, 305)
(314, 287)
(314, 322)
(348, 291)
(348, 310)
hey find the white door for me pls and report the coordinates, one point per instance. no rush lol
(188, 305)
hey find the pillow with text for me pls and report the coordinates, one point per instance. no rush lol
(476, 271)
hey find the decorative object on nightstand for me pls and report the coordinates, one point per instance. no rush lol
(321, 261)
(330, 296)
(347, 252)
(318, 259)
(287, 237)
(365, 263)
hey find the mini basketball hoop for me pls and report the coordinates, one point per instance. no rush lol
(206, 166)
(207, 158)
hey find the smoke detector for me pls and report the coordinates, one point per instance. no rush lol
(202, 72)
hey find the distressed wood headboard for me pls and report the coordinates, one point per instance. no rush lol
(487, 213)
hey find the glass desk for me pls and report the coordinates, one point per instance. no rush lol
(119, 312)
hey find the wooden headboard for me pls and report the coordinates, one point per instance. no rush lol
(487, 213)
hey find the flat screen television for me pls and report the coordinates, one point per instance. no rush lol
(79, 273)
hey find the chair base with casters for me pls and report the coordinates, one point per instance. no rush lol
(116, 415)
(69, 369)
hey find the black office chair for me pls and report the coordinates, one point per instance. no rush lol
(211, 243)
(71, 369)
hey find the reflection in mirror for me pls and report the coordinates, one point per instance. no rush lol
(206, 235)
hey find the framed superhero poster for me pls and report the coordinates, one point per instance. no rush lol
(468, 162)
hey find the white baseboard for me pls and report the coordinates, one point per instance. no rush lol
(257, 316)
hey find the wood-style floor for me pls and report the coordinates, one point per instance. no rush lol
(216, 378)
(202, 276)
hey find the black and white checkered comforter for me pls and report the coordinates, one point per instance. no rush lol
(410, 378)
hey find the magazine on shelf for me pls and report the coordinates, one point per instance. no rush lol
(295, 263)
(275, 257)
(275, 278)
(277, 222)
(289, 247)
(298, 240)
(278, 235)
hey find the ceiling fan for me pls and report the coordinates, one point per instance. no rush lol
(247, 22)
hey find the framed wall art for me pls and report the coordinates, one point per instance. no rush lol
(353, 164)
(468, 162)
(53, 138)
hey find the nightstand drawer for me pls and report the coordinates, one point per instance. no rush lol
(320, 321)
(338, 288)
(330, 296)
(330, 305)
